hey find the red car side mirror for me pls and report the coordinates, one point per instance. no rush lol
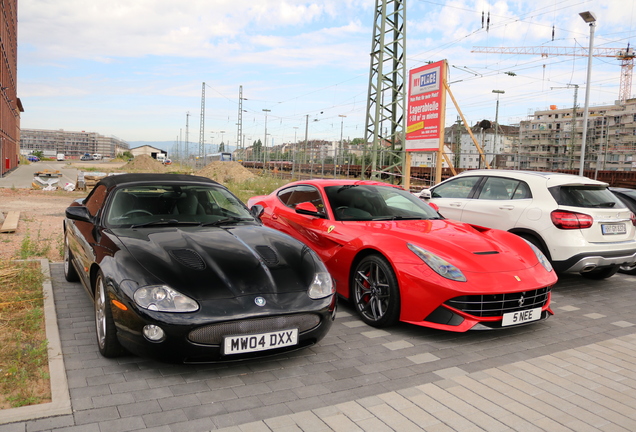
(308, 208)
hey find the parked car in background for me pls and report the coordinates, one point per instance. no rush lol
(97, 156)
(60, 156)
(33, 158)
(628, 197)
(396, 259)
(86, 157)
(180, 271)
(575, 221)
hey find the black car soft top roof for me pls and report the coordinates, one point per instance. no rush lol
(119, 179)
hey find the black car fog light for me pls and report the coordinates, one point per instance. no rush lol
(154, 333)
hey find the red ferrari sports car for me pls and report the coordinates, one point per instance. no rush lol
(396, 259)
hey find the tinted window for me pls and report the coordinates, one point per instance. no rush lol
(499, 188)
(585, 196)
(457, 188)
(95, 199)
(295, 195)
(370, 202)
(174, 203)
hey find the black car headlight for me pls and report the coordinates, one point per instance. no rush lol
(439, 265)
(162, 298)
(321, 286)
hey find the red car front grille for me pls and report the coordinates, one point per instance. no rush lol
(495, 305)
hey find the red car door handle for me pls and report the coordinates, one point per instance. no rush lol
(274, 216)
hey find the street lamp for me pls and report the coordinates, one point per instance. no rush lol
(494, 145)
(589, 18)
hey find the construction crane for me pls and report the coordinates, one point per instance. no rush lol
(625, 55)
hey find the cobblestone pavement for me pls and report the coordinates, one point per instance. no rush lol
(575, 371)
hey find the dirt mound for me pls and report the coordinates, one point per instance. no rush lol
(144, 164)
(225, 172)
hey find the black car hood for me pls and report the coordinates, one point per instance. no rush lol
(215, 263)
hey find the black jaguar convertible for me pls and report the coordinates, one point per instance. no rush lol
(180, 271)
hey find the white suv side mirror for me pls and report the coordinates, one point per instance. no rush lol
(425, 194)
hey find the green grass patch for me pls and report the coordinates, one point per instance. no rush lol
(256, 186)
(24, 374)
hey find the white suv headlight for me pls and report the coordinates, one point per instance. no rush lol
(164, 299)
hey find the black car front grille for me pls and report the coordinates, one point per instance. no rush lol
(494, 305)
(213, 334)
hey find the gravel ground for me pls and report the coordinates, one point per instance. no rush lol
(42, 212)
(40, 224)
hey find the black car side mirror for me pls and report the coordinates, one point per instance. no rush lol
(257, 210)
(79, 213)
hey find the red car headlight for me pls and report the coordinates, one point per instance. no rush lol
(439, 265)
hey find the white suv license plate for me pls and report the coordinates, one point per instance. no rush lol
(610, 229)
(259, 342)
(514, 318)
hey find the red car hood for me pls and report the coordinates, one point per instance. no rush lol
(470, 248)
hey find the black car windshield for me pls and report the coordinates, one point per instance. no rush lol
(371, 202)
(172, 205)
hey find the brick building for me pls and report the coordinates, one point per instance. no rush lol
(10, 105)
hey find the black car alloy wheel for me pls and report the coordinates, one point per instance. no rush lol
(375, 292)
(106, 331)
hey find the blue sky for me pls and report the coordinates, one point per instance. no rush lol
(134, 69)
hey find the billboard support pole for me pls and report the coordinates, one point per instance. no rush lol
(442, 111)
(470, 132)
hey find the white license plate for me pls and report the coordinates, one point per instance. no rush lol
(514, 318)
(609, 229)
(259, 342)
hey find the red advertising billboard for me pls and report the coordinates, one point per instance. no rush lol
(426, 102)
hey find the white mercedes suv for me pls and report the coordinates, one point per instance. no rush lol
(575, 221)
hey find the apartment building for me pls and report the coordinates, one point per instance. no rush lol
(71, 144)
(497, 143)
(548, 140)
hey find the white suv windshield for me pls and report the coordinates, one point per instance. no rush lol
(585, 196)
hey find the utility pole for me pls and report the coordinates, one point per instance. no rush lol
(187, 145)
(340, 150)
(202, 126)
(265, 141)
(387, 78)
(239, 132)
(306, 134)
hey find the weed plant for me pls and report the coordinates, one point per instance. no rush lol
(38, 247)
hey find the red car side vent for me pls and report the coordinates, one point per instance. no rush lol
(571, 220)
